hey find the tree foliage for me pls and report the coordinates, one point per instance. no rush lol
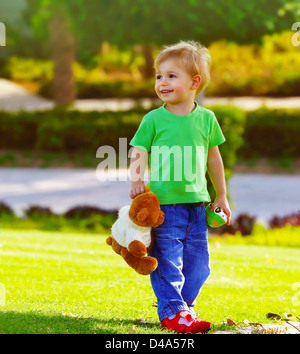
(86, 24)
(127, 22)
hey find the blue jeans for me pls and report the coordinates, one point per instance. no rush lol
(181, 249)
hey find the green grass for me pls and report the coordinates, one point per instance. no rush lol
(75, 283)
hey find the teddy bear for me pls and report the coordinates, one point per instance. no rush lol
(132, 235)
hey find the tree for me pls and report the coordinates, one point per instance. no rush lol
(128, 22)
(167, 21)
(64, 24)
(62, 41)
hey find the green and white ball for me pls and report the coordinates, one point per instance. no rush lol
(216, 217)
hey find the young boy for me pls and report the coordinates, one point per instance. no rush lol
(182, 140)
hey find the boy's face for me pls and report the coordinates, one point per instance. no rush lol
(173, 84)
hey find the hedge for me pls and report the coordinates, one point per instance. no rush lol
(263, 132)
(272, 133)
(72, 131)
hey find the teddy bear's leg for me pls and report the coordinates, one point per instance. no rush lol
(109, 240)
(144, 265)
(137, 248)
(114, 244)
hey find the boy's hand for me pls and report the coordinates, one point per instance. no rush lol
(136, 189)
(222, 203)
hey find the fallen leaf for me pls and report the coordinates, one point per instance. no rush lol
(230, 322)
(274, 316)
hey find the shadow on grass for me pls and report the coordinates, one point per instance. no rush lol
(34, 323)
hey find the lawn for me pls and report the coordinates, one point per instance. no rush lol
(74, 283)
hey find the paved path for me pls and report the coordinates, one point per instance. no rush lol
(14, 98)
(263, 196)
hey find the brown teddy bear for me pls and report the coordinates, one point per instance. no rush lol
(132, 236)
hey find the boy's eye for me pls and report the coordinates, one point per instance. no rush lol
(172, 76)
(158, 77)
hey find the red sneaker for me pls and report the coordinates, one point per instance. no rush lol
(184, 322)
(201, 326)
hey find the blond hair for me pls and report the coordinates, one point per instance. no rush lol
(190, 55)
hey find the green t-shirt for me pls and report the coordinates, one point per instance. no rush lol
(178, 147)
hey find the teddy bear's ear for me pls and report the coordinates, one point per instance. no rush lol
(160, 219)
(142, 214)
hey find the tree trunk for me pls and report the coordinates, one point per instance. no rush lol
(149, 62)
(62, 42)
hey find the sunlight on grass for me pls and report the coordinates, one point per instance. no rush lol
(75, 283)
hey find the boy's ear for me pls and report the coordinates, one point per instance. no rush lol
(196, 81)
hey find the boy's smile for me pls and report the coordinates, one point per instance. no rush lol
(164, 92)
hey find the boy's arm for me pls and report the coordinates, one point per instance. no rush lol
(138, 164)
(216, 173)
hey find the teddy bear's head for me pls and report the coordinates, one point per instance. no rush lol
(145, 210)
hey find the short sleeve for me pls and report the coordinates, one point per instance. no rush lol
(144, 135)
(216, 134)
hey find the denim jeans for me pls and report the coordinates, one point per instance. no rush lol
(181, 249)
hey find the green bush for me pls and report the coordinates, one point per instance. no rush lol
(91, 83)
(60, 130)
(18, 130)
(232, 121)
(105, 89)
(6, 210)
(269, 68)
(263, 132)
(82, 219)
(28, 69)
(287, 236)
(272, 133)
